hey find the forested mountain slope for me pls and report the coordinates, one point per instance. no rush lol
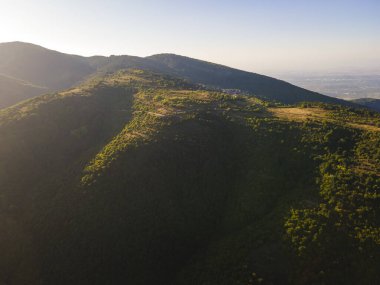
(371, 103)
(140, 178)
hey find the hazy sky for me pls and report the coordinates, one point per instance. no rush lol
(257, 35)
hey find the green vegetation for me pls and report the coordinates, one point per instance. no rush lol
(344, 226)
(137, 177)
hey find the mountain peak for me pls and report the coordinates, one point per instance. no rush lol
(20, 44)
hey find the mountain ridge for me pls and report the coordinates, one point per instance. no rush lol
(58, 71)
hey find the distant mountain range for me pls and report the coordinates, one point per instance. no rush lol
(42, 70)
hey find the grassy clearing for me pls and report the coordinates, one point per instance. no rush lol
(318, 114)
(299, 114)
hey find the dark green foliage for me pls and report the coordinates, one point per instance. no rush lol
(141, 178)
(338, 239)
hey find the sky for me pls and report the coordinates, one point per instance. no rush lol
(267, 36)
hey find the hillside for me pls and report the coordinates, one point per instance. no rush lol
(14, 90)
(56, 71)
(137, 177)
(42, 67)
(371, 103)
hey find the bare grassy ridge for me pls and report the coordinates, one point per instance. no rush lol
(318, 114)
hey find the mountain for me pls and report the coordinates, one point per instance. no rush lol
(56, 71)
(220, 76)
(138, 177)
(371, 103)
